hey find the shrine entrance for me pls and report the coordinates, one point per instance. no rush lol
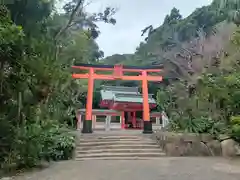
(129, 101)
(105, 119)
(118, 73)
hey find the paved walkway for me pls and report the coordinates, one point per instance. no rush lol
(161, 169)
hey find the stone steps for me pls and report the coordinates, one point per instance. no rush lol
(122, 154)
(119, 158)
(95, 151)
(117, 147)
(101, 143)
(103, 137)
(112, 138)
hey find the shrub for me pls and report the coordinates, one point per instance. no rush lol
(63, 144)
(235, 128)
(197, 125)
(35, 142)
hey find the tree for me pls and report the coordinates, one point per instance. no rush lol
(196, 93)
(38, 95)
(148, 29)
(79, 19)
(173, 17)
(232, 4)
(232, 7)
(27, 13)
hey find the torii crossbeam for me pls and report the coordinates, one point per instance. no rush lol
(117, 74)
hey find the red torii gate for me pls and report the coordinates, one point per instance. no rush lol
(117, 73)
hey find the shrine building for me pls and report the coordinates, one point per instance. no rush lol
(121, 108)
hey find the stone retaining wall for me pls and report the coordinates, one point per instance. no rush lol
(186, 144)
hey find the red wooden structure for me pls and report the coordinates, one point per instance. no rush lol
(117, 73)
(127, 100)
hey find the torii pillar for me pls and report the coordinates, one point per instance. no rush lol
(118, 73)
(87, 123)
(147, 126)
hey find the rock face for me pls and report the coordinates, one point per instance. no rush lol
(185, 144)
(229, 148)
(6, 178)
(215, 147)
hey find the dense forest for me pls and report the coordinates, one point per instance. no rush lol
(38, 98)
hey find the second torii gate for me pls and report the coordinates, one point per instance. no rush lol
(117, 73)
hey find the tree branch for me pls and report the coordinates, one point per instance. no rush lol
(73, 14)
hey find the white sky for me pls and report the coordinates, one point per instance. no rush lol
(132, 17)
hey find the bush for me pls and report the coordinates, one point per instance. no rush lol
(35, 142)
(64, 144)
(197, 125)
(235, 128)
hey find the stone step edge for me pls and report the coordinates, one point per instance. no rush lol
(88, 143)
(87, 151)
(106, 140)
(119, 158)
(111, 137)
(114, 142)
(120, 155)
(113, 146)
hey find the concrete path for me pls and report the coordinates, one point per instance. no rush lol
(164, 168)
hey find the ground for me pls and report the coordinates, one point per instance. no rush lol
(166, 168)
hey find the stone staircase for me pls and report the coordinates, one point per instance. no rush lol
(117, 146)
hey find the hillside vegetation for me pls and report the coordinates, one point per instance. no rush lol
(201, 87)
(180, 40)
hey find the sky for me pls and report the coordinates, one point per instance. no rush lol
(132, 16)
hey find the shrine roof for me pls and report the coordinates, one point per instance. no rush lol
(123, 94)
(100, 111)
(136, 98)
(108, 92)
(122, 89)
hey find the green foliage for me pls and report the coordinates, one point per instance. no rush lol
(231, 8)
(35, 142)
(25, 90)
(38, 95)
(235, 127)
(28, 13)
(164, 42)
(211, 105)
(216, 94)
(206, 94)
